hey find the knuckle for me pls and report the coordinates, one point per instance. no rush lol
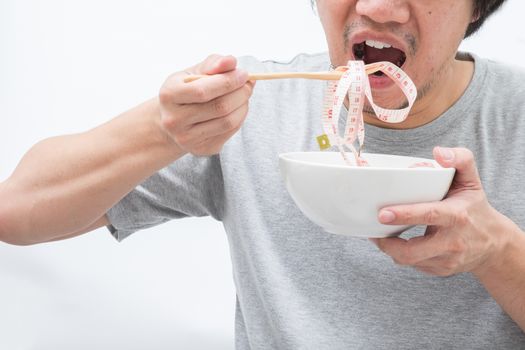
(431, 215)
(461, 218)
(221, 107)
(201, 94)
(165, 95)
(174, 121)
(406, 216)
(229, 83)
(234, 129)
(228, 123)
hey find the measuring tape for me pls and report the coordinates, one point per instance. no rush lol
(354, 83)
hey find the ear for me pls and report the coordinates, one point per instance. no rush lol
(475, 16)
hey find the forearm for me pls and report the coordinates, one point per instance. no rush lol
(504, 278)
(63, 184)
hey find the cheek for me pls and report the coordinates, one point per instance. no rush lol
(446, 28)
(334, 15)
(441, 35)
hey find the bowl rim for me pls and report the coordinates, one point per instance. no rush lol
(286, 157)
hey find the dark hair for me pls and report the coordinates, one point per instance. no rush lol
(482, 10)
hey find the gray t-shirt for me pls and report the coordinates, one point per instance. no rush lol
(299, 287)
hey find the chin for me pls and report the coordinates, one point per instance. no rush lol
(386, 102)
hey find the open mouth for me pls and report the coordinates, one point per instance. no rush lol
(371, 51)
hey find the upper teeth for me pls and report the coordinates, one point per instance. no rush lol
(377, 44)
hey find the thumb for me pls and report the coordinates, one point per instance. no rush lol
(216, 64)
(463, 160)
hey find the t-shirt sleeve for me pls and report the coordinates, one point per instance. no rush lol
(191, 186)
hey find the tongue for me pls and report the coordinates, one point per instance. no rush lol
(392, 55)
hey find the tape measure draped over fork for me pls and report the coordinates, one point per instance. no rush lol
(355, 83)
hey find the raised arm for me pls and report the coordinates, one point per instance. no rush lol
(64, 185)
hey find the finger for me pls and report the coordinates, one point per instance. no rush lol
(213, 145)
(463, 160)
(214, 64)
(205, 89)
(220, 140)
(219, 107)
(430, 213)
(412, 251)
(218, 126)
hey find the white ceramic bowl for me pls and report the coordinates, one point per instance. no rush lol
(346, 199)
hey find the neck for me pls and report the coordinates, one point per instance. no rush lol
(449, 88)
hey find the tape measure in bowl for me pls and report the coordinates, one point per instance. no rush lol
(354, 83)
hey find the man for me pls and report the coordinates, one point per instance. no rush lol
(297, 286)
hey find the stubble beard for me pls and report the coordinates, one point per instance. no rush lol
(421, 93)
(412, 46)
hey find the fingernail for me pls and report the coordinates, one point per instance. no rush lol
(242, 76)
(386, 216)
(446, 153)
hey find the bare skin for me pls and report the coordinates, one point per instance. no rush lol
(464, 234)
(429, 32)
(99, 167)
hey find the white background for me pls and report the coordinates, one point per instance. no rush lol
(66, 66)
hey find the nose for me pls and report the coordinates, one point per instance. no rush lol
(384, 11)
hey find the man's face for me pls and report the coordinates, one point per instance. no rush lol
(424, 36)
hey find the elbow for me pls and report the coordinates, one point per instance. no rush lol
(8, 232)
(10, 236)
(6, 235)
